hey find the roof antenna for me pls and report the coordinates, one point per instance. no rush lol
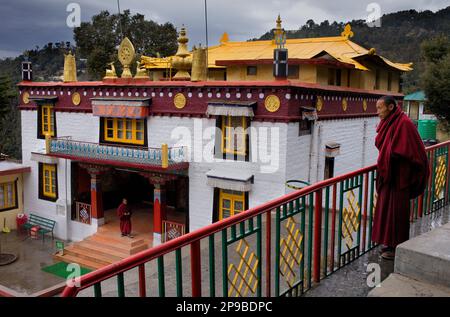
(120, 18)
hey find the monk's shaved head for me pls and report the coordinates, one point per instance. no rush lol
(385, 105)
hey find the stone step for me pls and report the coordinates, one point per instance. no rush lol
(94, 256)
(120, 247)
(397, 285)
(114, 238)
(94, 247)
(82, 262)
(426, 257)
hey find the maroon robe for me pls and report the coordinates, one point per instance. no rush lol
(124, 214)
(402, 174)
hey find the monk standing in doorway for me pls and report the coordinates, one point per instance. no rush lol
(402, 175)
(124, 214)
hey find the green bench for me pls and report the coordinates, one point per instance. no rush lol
(45, 225)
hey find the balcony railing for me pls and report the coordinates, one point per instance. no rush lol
(279, 248)
(163, 156)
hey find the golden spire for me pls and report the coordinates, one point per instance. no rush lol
(279, 34)
(348, 33)
(70, 68)
(225, 38)
(126, 56)
(182, 60)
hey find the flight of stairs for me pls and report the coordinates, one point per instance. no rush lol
(101, 249)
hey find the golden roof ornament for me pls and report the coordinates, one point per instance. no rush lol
(347, 33)
(182, 60)
(279, 34)
(372, 51)
(111, 73)
(141, 71)
(225, 38)
(70, 68)
(126, 56)
(199, 64)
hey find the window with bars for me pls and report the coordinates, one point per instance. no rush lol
(8, 193)
(124, 130)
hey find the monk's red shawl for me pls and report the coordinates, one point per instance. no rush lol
(398, 138)
(402, 175)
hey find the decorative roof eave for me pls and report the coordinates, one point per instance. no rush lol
(397, 66)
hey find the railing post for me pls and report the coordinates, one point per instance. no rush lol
(317, 234)
(164, 156)
(196, 271)
(48, 142)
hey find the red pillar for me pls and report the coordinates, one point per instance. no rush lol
(96, 197)
(159, 207)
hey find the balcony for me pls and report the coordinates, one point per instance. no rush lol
(118, 155)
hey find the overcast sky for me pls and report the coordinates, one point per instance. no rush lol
(27, 23)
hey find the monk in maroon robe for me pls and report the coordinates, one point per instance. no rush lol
(124, 214)
(402, 174)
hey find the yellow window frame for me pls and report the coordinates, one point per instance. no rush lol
(9, 200)
(48, 120)
(124, 139)
(227, 141)
(232, 197)
(49, 180)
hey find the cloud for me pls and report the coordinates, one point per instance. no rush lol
(26, 24)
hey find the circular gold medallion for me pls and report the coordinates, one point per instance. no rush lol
(26, 98)
(179, 101)
(364, 105)
(76, 98)
(272, 103)
(344, 104)
(319, 103)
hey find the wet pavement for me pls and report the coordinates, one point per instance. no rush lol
(25, 275)
(351, 280)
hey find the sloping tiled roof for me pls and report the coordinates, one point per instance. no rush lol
(416, 96)
(339, 47)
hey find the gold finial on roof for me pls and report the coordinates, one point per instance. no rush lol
(347, 33)
(372, 51)
(182, 60)
(279, 34)
(70, 68)
(126, 56)
(225, 38)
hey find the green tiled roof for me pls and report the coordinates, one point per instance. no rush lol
(416, 96)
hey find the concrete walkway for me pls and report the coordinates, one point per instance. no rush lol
(351, 280)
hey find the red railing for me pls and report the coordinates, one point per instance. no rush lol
(317, 230)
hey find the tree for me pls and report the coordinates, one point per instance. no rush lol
(436, 77)
(9, 120)
(98, 40)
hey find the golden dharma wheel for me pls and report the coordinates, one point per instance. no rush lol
(272, 103)
(26, 98)
(179, 101)
(76, 98)
(344, 104)
(319, 103)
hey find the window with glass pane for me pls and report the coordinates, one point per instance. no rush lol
(48, 120)
(231, 203)
(8, 195)
(49, 180)
(234, 135)
(124, 130)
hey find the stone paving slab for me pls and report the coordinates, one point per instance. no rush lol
(426, 257)
(397, 285)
